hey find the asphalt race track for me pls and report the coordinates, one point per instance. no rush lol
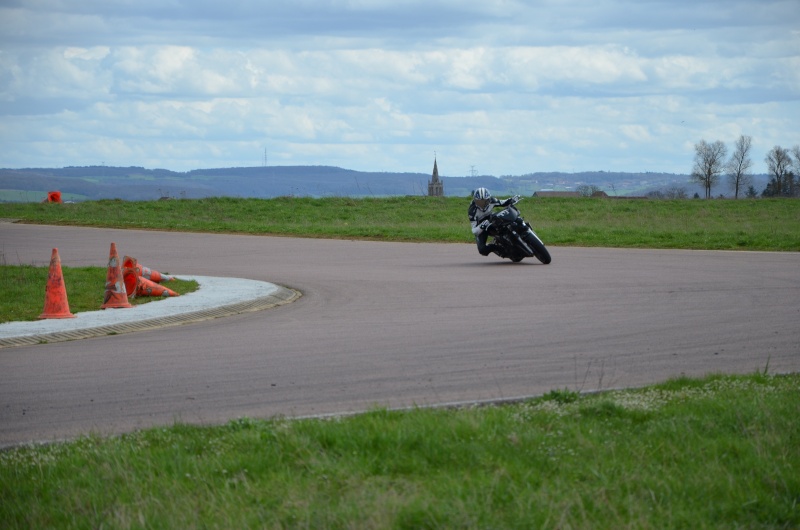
(394, 325)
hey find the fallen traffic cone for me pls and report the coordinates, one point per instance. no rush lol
(55, 293)
(152, 275)
(115, 296)
(53, 196)
(136, 285)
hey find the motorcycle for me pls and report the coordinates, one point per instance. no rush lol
(515, 236)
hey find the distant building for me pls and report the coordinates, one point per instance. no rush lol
(435, 186)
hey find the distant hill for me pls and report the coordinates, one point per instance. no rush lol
(138, 183)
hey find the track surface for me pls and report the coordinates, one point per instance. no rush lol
(394, 325)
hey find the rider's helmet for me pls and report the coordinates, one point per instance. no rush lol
(481, 197)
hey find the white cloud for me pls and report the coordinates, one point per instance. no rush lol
(507, 86)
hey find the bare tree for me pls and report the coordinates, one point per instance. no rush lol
(796, 163)
(709, 163)
(738, 167)
(779, 165)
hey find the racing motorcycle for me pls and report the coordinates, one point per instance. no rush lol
(515, 236)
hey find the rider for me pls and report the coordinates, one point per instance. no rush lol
(480, 210)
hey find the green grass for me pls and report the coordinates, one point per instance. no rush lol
(721, 452)
(762, 224)
(22, 290)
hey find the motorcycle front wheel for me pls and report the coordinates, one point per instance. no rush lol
(539, 250)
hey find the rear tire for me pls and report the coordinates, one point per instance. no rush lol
(538, 248)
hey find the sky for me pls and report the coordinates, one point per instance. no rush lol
(485, 87)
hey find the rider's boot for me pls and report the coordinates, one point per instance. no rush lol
(499, 251)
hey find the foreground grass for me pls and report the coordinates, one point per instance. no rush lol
(762, 224)
(722, 452)
(22, 290)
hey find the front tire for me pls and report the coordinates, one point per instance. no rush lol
(539, 250)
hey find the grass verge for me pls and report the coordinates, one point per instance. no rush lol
(22, 290)
(762, 224)
(721, 452)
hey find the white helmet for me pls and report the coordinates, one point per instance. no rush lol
(481, 197)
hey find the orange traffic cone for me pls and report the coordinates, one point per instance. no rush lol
(136, 285)
(55, 293)
(53, 196)
(152, 275)
(115, 296)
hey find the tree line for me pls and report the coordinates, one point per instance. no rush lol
(711, 163)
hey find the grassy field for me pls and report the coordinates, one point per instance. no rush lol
(762, 224)
(721, 452)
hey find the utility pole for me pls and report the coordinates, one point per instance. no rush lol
(472, 171)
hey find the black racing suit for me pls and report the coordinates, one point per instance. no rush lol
(479, 215)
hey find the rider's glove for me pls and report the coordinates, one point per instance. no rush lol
(511, 200)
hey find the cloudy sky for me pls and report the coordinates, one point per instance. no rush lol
(496, 87)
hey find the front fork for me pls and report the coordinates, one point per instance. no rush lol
(521, 242)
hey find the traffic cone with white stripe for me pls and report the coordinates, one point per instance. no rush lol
(56, 304)
(115, 296)
(150, 274)
(136, 285)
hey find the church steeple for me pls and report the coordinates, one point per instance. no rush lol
(435, 186)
